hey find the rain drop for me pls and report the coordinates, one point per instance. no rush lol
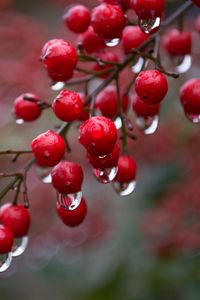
(19, 121)
(185, 64)
(137, 67)
(113, 42)
(124, 189)
(44, 174)
(149, 26)
(118, 122)
(5, 261)
(19, 246)
(148, 124)
(57, 86)
(105, 176)
(193, 118)
(70, 201)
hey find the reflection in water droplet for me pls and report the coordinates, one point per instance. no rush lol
(118, 122)
(149, 26)
(44, 174)
(19, 246)
(148, 124)
(113, 42)
(124, 189)
(57, 86)
(106, 175)
(137, 67)
(185, 64)
(193, 118)
(70, 201)
(5, 261)
(19, 121)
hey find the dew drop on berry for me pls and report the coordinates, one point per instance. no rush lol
(184, 64)
(148, 125)
(118, 122)
(149, 26)
(105, 176)
(44, 174)
(124, 189)
(5, 261)
(69, 201)
(19, 246)
(137, 67)
(19, 121)
(193, 118)
(112, 43)
(57, 86)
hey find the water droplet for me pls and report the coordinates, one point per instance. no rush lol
(70, 201)
(193, 118)
(57, 86)
(124, 189)
(137, 67)
(149, 26)
(5, 261)
(185, 64)
(44, 174)
(113, 42)
(106, 175)
(19, 121)
(118, 122)
(19, 246)
(148, 124)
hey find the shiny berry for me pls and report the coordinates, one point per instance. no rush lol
(142, 109)
(48, 148)
(151, 86)
(48, 44)
(132, 37)
(26, 107)
(177, 42)
(108, 21)
(197, 2)
(73, 217)
(15, 217)
(77, 18)
(6, 239)
(67, 177)
(90, 41)
(108, 57)
(107, 102)
(67, 106)
(190, 96)
(59, 59)
(127, 169)
(148, 9)
(98, 135)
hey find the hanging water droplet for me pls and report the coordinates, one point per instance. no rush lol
(149, 26)
(148, 124)
(5, 261)
(19, 246)
(44, 174)
(193, 118)
(70, 201)
(105, 176)
(137, 67)
(124, 189)
(118, 122)
(112, 43)
(185, 64)
(57, 86)
(19, 121)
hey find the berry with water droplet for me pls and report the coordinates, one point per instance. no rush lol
(151, 86)
(26, 107)
(77, 18)
(190, 96)
(148, 9)
(127, 169)
(48, 148)
(142, 109)
(177, 42)
(90, 41)
(6, 239)
(98, 135)
(132, 37)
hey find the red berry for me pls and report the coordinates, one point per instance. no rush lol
(142, 109)
(197, 2)
(127, 169)
(67, 177)
(151, 86)
(16, 218)
(60, 60)
(48, 148)
(132, 37)
(6, 239)
(190, 96)
(125, 4)
(98, 135)
(177, 42)
(108, 21)
(84, 115)
(91, 41)
(48, 44)
(107, 103)
(26, 107)
(108, 161)
(67, 106)
(106, 56)
(77, 18)
(148, 9)
(74, 217)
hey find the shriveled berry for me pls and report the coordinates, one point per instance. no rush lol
(26, 107)
(142, 109)
(132, 37)
(67, 177)
(48, 148)
(177, 42)
(190, 96)
(16, 218)
(67, 106)
(127, 169)
(90, 41)
(6, 239)
(151, 86)
(148, 9)
(108, 57)
(98, 135)
(77, 18)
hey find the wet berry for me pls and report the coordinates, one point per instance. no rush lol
(90, 41)
(77, 18)
(127, 169)
(148, 9)
(190, 96)
(26, 107)
(6, 239)
(132, 37)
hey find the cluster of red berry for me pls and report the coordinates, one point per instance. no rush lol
(105, 26)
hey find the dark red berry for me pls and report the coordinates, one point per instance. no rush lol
(190, 96)
(197, 2)
(127, 169)
(107, 102)
(132, 37)
(151, 86)
(77, 18)
(98, 135)
(48, 148)
(177, 42)
(73, 217)
(148, 9)
(67, 177)
(16, 218)
(67, 106)
(108, 21)
(90, 41)
(142, 109)
(6, 239)
(108, 57)
(26, 107)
